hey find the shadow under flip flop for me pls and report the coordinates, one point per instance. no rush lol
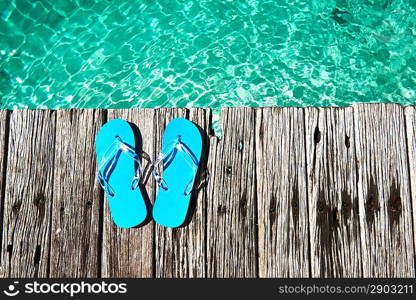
(201, 179)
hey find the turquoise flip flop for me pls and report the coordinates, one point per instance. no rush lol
(181, 153)
(117, 160)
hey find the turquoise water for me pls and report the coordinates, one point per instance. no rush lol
(183, 53)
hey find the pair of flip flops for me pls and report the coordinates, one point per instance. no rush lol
(120, 171)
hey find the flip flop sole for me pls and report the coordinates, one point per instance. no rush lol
(171, 205)
(127, 207)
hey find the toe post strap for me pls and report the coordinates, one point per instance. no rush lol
(167, 155)
(109, 162)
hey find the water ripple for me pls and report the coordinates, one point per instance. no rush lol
(183, 53)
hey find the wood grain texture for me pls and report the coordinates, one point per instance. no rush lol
(76, 196)
(340, 180)
(231, 198)
(410, 115)
(281, 191)
(28, 195)
(129, 252)
(384, 191)
(332, 191)
(180, 252)
(3, 153)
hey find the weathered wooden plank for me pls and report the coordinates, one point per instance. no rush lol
(281, 191)
(3, 151)
(332, 191)
(28, 195)
(373, 152)
(384, 191)
(129, 252)
(76, 196)
(180, 252)
(4, 132)
(231, 198)
(410, 115)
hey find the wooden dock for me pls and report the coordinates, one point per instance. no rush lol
(287, 192)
